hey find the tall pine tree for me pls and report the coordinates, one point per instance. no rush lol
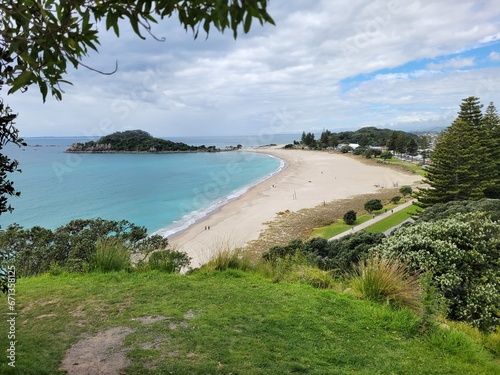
(455, 171)
(465, 160)
(491, 124)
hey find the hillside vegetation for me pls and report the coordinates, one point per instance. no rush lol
(135, 141)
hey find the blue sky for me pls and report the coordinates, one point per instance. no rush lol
(339, 65)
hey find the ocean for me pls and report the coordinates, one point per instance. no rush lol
(163, 192)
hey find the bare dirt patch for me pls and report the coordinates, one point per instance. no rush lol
(102, 354)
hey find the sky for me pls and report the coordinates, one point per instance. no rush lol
(326, 64)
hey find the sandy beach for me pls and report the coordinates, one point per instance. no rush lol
(309, 179)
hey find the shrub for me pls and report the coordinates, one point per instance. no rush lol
(339, 254)
(386, 155)
(405, 190)
(350, 217)
(111, 254)
(396, 199)
(34, 251)
(387, 281)
(450, 209)
(373, 205)
(345, 149)
(359, 150)
(462, 253)
(170, 261)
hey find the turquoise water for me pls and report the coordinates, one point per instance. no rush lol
(163, 192)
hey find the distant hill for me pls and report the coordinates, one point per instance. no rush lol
(375, 136)
(135, 141)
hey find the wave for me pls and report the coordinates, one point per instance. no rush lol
(195, 216)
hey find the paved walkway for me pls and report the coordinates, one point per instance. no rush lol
(366, 224)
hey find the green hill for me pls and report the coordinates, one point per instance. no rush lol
(135, 141)
(227, 322)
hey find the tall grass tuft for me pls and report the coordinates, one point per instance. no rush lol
(170, 261)
(111, 255)
(387, 281)
(227, 258)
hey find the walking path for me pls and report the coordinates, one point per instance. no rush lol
(366, 224)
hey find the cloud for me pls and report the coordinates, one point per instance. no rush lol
(455, 63)
(407, 61)
(494, 56)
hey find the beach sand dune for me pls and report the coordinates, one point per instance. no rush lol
(309, 179)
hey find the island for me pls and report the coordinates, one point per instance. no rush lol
(135, 141)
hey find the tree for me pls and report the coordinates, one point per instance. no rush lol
(391, 142)
(470, 111)
(405, 190)
(491, 124)
(373, 205)
(345, 149)
(40, 38)
(424, 143)
(386, 155)
(462, 163)
(400, 144)
(364, 141)
(350, 217)
(412, 148)
(8, 134)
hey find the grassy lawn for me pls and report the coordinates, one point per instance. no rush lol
(340, 227)
(393, 220)
(228, 322)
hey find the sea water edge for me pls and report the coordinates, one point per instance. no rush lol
(175, 226)
(198, 215)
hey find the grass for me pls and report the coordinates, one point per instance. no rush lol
(111, 255)
(387, 281)
(393, 220)
(339, 226)
(240, 323)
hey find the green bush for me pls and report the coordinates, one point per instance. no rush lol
(387, 280)
(450, 209)
(339, 254)
(170, 261)
(405, 190)
(350, 217)
(373, 205)
(463, 255)
(396, 199)
(111, 254)
(386, 155)
(35, 251)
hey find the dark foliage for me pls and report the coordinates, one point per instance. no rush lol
(373, 205)
(8, 134)
(450, 209)
(135, 141)
(34, 251)
(340, 254)
(350, 217)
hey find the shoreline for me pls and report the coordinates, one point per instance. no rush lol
(198, 216)
(309, 179)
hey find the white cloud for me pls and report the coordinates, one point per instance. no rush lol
(494, 56)
(222, 86)
(455, 63)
